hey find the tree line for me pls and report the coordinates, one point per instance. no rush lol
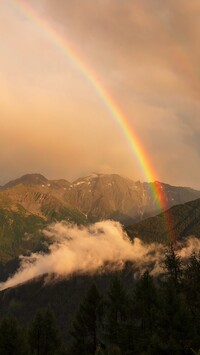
(154, 316)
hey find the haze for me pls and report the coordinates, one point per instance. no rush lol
(146, 53)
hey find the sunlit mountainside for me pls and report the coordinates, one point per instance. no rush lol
(30, 203)
(94, 197)
(185, 222)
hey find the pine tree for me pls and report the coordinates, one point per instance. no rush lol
(12, 340)
(145, 310)
(36, 334)
(117, 305)
(146, 302)
(175, 326)
(192, 278)
(172, 265)
(86, 324)
(191, 283)
(99, 351)
(114, 350)
(43, 334)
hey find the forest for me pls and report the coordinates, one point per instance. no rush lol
(154, 315)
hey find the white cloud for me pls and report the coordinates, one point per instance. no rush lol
(101, 246)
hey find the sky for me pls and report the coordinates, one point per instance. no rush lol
(146, 55)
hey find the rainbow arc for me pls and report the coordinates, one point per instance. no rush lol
(115, 112)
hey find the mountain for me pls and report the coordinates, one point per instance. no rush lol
(29, 179)
(116, 197)
(30, 203)
(17, 229)
(26, 207)
(179, 222)
(94, 197)
(18, 233)
(42, 197)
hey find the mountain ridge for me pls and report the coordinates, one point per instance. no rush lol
(30, 203)
(38, 176)
(96, 196)
(185, 222)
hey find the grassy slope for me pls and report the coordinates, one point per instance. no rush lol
(18, 233)
(20, 230)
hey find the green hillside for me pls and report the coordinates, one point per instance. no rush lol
(179, 222)
(18, 233)
(20, 230)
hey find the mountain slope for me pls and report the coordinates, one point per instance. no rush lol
(184, 220)
(42, 197)
(97, 196)
(113, 196)
(31, 202)
(28, 179)
(19, 232)
(26, 207)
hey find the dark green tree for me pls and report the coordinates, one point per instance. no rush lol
(43, 334)
(192, 279)
(117, 310)
(36, 334)
(85, 330)
(145, 304)
(114, 350)
(191, 285)
(12, 339)
(173, 267)
(175, 326)
(99, 351)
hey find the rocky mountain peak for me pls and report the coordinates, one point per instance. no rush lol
(28, 179)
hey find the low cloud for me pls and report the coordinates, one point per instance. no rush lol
(86, 250)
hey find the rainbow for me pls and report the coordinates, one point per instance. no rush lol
(133, 140)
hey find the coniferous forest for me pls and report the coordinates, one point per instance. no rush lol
(151, 316)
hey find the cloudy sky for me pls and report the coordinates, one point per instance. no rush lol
(145, 53)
